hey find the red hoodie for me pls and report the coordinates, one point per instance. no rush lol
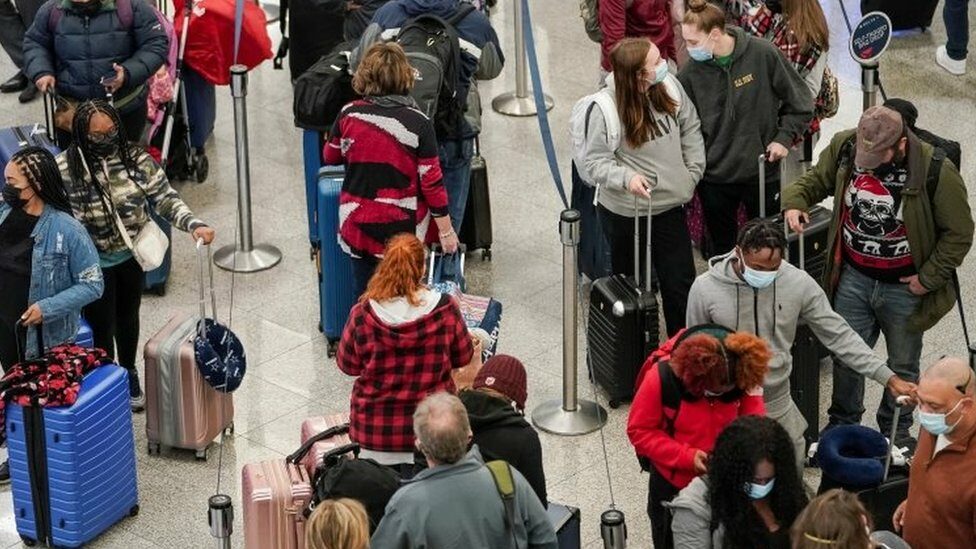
(696, 427)
(649, 18)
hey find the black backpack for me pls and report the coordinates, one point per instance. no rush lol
(364, 480)
(434, 51)
(322, 91)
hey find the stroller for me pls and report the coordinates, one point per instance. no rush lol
(175, 142)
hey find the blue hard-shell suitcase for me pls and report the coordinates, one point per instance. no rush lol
(73, 468)
(16, 138)
(336, 286)
(155, 280)
(312, 154)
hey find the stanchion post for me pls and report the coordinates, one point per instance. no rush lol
(246, 257)
(519, 102)
(569, 415)
(869, 85)
(220, 516)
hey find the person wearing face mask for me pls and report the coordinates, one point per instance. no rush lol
(901, 226)
(751, 288)
(752, 494)
(85, 49)
(112, 183)
(751, 102)
(661, 153)
(48, 265)
(940, 510)
(496, 409)
(714, 375)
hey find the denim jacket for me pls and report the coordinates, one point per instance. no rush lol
(65, 276)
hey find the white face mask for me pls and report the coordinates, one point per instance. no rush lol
(757, 279)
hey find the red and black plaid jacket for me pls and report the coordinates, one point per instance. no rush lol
(397, 366)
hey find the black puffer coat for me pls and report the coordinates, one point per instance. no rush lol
(80, 49)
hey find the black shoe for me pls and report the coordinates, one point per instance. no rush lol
(5, 472)
(16, 83)
(137, 400)
(29, 94)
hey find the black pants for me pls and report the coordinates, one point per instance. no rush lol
(659, 491)
(114, 317)
(720, 203)
(670, 256)
(362, 271)
(11, 345)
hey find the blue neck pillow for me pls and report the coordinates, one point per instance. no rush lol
(853, 455)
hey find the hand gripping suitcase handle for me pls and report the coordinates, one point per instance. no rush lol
(206, 257)
(435, 250)
(801, 241)
(647, 259)
(899, 402)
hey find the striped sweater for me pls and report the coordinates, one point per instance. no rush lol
(393, 177)
(132, 200)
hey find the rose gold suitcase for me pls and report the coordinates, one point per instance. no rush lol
(338, 423)
(182, 409)
(275, 494)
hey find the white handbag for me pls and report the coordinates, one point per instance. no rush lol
(149, 246)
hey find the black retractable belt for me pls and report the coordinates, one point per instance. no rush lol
(970, 347)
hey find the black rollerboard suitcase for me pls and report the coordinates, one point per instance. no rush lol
(623, 325)
(904, 14)
(565, 521)
(476, 226)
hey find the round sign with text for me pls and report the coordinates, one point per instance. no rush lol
(870, 38)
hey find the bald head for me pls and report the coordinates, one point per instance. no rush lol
(442, 428)
(953, 373)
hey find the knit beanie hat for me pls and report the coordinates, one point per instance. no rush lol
(504, 374)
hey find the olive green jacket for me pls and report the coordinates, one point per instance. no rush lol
(940, 230)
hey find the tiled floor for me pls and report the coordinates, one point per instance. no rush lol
(275, 312)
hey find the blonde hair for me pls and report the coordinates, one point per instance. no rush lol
(338, 524)
(384, 70)
(835, 519)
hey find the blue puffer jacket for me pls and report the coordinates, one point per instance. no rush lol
(81, 50)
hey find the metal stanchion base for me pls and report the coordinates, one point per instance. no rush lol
(552, 418)
(510, 104)
(263, 256)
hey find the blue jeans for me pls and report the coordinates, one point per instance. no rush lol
(955, 13)
(455, 158)
(873, 308)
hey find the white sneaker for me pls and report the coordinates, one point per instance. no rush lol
(953, 66)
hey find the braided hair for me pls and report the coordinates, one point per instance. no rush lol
(760, 233)
(40, 168)
(81, 158)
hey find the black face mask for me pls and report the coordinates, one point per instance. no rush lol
(11, 195)
(87, 8)
(104, 146)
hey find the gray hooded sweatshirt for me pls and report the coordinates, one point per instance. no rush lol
(673, 163)
(692, 518)
(773, 313)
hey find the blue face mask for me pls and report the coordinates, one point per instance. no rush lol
(936, 423)
(701, 53)
(757, 279)
(759, 491)
(660, 72)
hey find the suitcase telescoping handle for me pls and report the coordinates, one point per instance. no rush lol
(298, 454)
(435, 250)
(206, 256)
(50, 106)
(38, 332)
(899, 402)
(647, 259)
(762, 185)
(800, 240)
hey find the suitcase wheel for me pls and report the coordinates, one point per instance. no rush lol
(202, 168)
(614, 403)
(153, 448)
(229, 430)
(486, 255)
(159, 289)
(333, 348)
(134, 511)
(201, 455)
(30, 542)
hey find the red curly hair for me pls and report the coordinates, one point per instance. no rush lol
(400, 272)
(700, 363)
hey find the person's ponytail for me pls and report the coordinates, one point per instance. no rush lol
(704, 15)
(399, 273)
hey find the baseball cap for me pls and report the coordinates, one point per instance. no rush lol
(877, 131)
